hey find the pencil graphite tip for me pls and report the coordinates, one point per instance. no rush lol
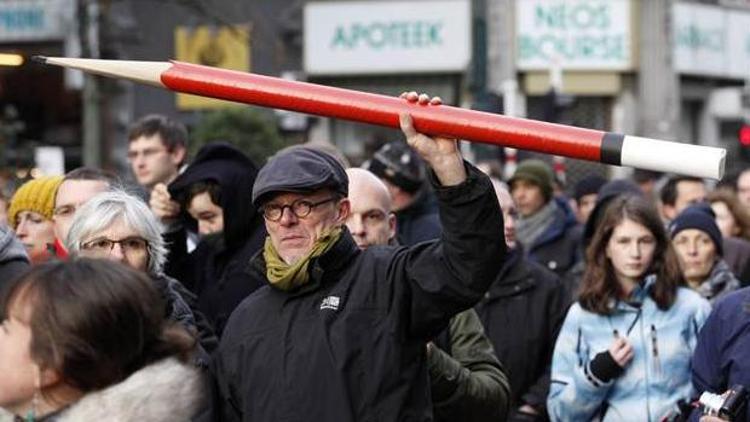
(39, 59)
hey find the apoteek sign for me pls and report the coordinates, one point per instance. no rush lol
(387, 37)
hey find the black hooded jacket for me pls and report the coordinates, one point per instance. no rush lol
(522, 314)
(218, 264)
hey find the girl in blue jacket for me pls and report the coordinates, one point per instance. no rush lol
(624, 350)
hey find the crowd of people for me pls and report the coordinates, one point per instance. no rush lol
(413, 288)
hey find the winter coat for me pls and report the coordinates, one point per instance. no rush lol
(13, 258)
(522, 313)
(218, 267)
(737, 256)
(350, 344)
(181, 308)
(720, 282)
(720, 360)
(419, 221)
(557, 248)
(467, 382)
(167, 390)
(653, 382)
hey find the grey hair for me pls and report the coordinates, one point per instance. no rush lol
(102, 210)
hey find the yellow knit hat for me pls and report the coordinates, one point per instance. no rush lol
(35, 195)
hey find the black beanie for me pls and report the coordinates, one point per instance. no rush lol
(700, 217)
(587, 186)
(399, 164)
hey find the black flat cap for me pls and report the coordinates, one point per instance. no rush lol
(300, 169)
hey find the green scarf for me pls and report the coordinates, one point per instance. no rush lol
(287, 277)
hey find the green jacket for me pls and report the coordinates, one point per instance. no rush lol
(468, 383)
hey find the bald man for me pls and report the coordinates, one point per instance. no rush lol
(467, 382)
(533, 298)
(371, 220)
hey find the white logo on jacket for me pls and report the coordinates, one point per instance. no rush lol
(331, 302)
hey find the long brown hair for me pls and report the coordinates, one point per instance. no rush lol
(740, 214)
(600, 286)
(94, 322)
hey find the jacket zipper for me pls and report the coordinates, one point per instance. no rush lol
(578, 349)
(655, 351)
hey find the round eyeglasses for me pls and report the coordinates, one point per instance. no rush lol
(301, 208)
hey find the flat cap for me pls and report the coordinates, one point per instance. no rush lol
(300, 169)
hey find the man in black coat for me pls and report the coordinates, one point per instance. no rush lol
(522, 314)
(340, 334)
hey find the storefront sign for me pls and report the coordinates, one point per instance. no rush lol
(387, 37)
(34, 20)
(227, 47)
(711, 41)
(579, 34)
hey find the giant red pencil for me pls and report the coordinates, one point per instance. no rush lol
(568, 141)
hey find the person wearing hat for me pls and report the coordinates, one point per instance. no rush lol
(697, 240)
(214, 194)
(546, 224)
(584, 194)
(414, 204)
(30, 216)
(338, 333)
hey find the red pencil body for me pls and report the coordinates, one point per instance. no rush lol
(383, 110)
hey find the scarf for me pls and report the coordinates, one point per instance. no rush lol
(528, 229)
(288, 277)
(720, 281)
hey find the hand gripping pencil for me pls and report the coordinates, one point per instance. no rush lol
(470, 125)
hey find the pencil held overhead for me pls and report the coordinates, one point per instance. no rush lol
(470, 125)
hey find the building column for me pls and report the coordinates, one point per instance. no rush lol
(658, 84)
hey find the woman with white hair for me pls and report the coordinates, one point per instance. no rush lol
(118, 226)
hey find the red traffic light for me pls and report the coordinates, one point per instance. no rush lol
(744, 135)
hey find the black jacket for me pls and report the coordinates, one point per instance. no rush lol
(350, 345)
(181, 307)
(522, 314)
(218, 266)
(419, 221)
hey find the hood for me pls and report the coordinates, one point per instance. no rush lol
(167, 390)
(235, 173)
(513, 278)
(10, 247)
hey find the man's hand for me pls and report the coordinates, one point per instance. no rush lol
(441, 154)
(162, 204)
(529, 410)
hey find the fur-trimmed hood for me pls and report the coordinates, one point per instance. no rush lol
(167, 390)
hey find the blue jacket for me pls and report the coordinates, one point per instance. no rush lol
(721, 357)
(652, 383)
